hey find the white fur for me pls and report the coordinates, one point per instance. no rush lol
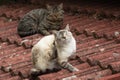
(44, 49)
(65, 50)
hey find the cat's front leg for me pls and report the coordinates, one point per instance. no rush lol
(67, 65)
(34, 71)
(43, 31)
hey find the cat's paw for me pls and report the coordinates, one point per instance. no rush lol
(47, 33)
(33, 71)
(75, 69)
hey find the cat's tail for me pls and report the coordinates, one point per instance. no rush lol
(23, 34)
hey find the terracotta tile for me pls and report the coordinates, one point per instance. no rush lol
(3, 45)
(83, 39)
(24, 71)
(96, 75)
(91, 42)
(112, 77)
(117, 39)
(11, 39)
(95, 49)
(89, 33)
(32, 37)
(63, 72)
(7, 47)
(12, 51)
(19, 57)
(17, 69)
(115, 66)
(1, 72)
(80, 73)
(81, 24)
(5, 34)
(92, 27)
(8, 25)
(105, 62)
(93, 59)
(74, 62)
(111, 34)
(5, 76)
(14, 78)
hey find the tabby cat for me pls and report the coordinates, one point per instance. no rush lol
(53, 51)
(41, 21)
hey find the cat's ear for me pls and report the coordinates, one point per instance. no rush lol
(48, 7)
(60, 6)
(67, 27)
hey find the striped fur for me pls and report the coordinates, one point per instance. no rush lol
(41, 21)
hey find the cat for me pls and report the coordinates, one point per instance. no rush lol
(53, 51)
(41, 21)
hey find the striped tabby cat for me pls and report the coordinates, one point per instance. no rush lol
(53, 51)
(41, 21)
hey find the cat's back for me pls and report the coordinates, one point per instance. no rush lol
(46, 42)
(36, 13)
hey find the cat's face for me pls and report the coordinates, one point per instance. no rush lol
(55, 13)
(63, 35)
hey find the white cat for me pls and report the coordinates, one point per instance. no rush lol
(53, 51)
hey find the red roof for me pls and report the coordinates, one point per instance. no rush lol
(98, 48)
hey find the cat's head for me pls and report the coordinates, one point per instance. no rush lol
(63, 35)
(55, 13)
